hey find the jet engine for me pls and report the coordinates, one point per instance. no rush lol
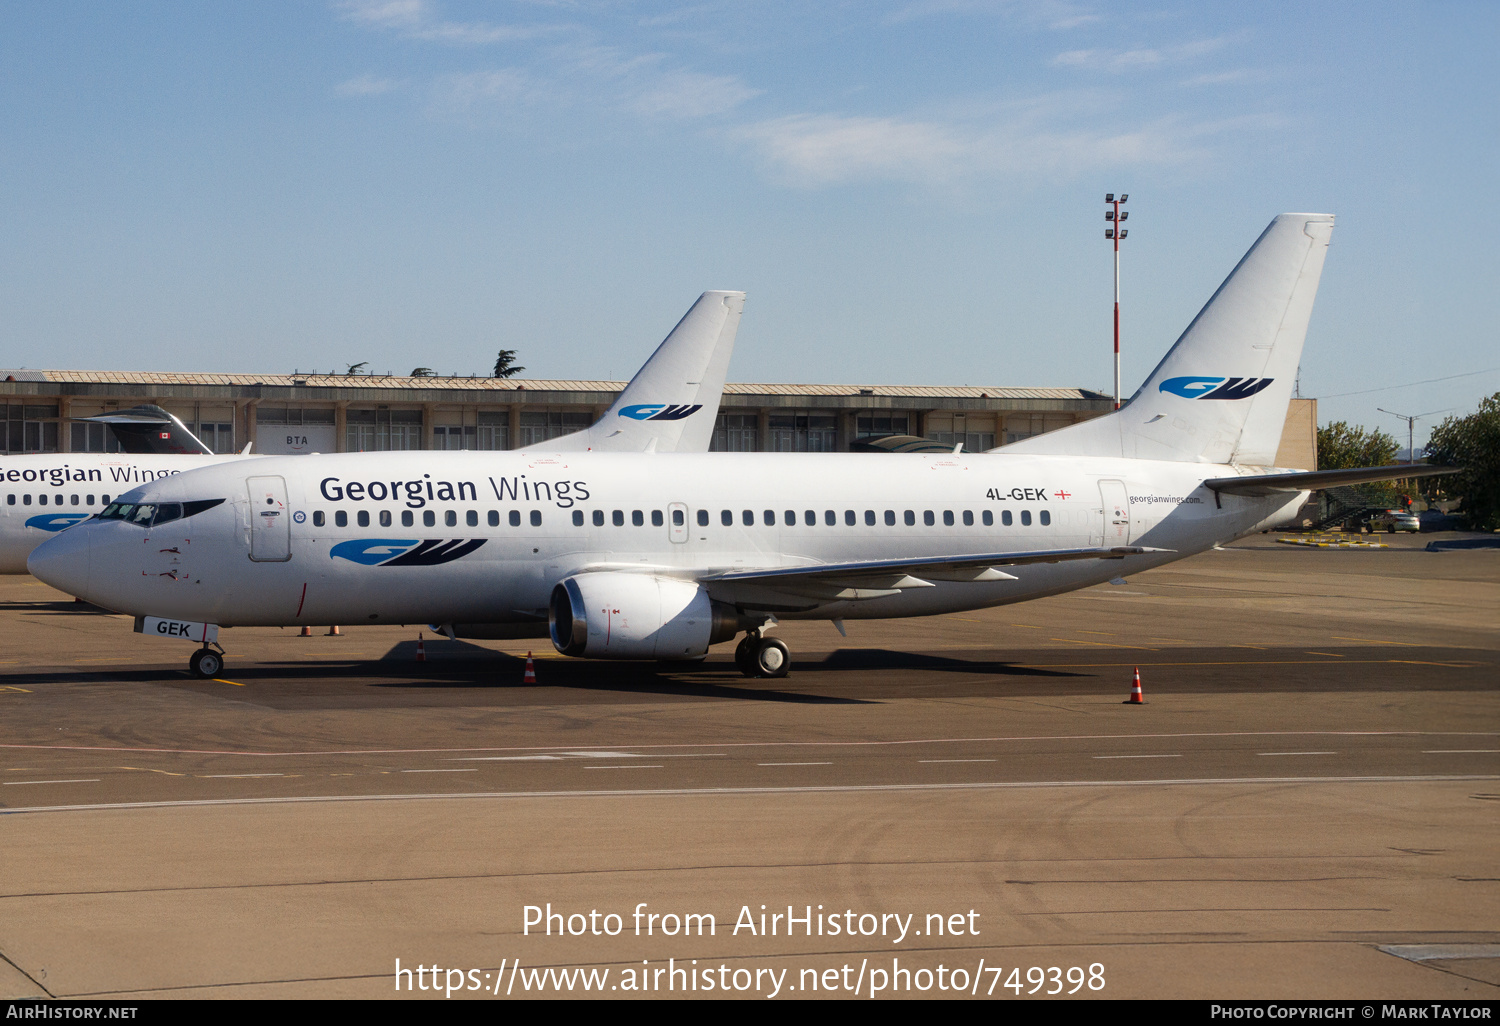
(637, 616)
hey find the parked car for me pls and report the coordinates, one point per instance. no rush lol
(1393, 520)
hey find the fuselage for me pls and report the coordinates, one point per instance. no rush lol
(424, 537)
(41, 495)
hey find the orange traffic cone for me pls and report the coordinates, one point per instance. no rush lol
(333, 632)
(306, 632)
(1135, 690)
(421, 652)
(530, 677)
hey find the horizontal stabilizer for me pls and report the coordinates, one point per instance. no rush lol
(151, 430)
(1312, 480)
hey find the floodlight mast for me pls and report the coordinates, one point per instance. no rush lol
(1116, 233)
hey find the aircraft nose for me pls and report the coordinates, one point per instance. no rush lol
(63, 561)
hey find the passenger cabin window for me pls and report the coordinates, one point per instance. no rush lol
(749, 518)
(450, 518)
(618, 518)
(493, 519)
(769, 517)
(578, 518)
(928, 519)
(385, 518)
(637, 518)
(598, 518)
(703, 518)
(406, 518)
(515, 518)
(536, 518)
(890, 518)
(989, 518)
(317, 518)
(429, 518)
(1005, 517)
(472, 518)
(1046, 518)
(911, 518)
(363, 517)
(869, 518)
(1025, 518)
(340, 519)
(679, 518)
(726, 517)
(656, 518)
(968, 518)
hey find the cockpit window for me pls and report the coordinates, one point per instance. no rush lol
(147, 514)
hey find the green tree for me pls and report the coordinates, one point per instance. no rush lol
(420, 372)
(505, 364)
(1341, 447)
(1472, 442)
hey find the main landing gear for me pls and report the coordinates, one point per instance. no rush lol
(759, 656)
(207, 662)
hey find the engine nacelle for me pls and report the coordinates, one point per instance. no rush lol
(636, 616)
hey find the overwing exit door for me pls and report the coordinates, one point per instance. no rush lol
(1116, 502)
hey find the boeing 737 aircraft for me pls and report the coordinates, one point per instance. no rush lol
(669, 406)
(656, 556)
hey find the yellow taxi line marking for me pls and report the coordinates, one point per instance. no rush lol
(219, 680)
(1461, 751)
(17, 783)
(1335, 655)
(1367, 641)
(1101, 644)
(1137, 756)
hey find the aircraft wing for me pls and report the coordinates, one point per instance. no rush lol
(798, 587)
(1312, 480)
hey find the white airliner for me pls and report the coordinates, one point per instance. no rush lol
(659, 556)
(669, 406)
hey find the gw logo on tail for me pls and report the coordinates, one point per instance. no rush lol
(1215, 388)
(659, 411)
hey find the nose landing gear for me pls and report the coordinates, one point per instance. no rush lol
(207, 662)
(759, 656)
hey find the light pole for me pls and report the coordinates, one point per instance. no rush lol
(1411, 420)
(1116, 233)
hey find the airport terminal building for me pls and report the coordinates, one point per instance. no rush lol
(304, 413)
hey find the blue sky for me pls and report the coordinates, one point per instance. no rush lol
(910, 191)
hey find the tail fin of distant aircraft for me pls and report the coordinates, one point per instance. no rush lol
(151, 430)
(673, 401)
(1220, 395)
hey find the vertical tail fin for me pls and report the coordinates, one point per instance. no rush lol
(673, 401)
(1220, 395)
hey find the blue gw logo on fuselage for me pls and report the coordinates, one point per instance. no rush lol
(56, 521)
(403, 551)
(659, 411)
(1214, 388)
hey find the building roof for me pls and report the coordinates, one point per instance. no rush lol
(178, 379)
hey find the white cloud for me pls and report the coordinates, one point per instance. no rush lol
(687, 94)
(365, 85)
(1140, 57)
(385, 13)
(823, 150)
